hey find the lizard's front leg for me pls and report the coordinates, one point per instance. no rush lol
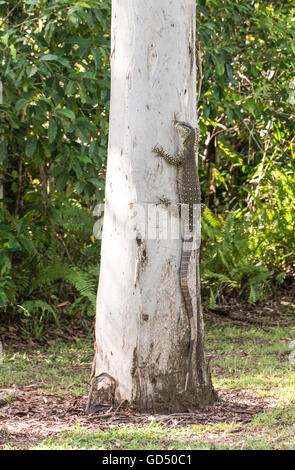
(172, 159)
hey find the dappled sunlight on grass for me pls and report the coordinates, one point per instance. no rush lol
(154, 436)
(61, 368)
(247, 363)
(251, 358)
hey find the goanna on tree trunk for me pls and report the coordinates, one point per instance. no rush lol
(143, 330)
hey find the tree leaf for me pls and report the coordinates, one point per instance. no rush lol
(21, 104)
(53, 57)
(96, 182)
(31, 146)
(52, 130)
(70, 88)
(20, 225)
(3, 151)
(26, 243)
(67, 113)
(83, 158)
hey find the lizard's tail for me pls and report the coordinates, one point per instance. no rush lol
(185, 259)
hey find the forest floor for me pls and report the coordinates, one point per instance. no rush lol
(43, 390)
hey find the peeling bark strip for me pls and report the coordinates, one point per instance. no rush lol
(142, 330)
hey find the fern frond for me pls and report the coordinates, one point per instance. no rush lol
(212, 219)
(33, 306)
(80, 280)
(75, 218)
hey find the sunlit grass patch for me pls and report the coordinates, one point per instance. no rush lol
(251, 358)
(59, 367)
(154, 436)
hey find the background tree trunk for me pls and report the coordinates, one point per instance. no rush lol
(142, 331)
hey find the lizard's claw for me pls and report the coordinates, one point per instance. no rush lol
(157, 150)
(165, 201)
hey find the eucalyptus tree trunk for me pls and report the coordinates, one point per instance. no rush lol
(142, 331)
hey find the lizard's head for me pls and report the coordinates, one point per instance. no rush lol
(186, 131)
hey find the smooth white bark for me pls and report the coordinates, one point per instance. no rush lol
(142, 331)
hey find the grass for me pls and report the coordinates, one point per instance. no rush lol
(248, 358)
(154, 436)
(252, 358)
(59, 368)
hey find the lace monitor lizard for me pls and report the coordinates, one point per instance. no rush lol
(189, 196)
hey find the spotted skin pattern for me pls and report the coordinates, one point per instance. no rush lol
(190, 196)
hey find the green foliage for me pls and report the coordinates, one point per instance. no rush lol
(53, 141)
(56, 90)
(247, 51)
(12, 240)
(36, 313)
(246, 104)
(46, 276)
(55, 77)
(271, 207)
(84, 283)
(229, 264)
